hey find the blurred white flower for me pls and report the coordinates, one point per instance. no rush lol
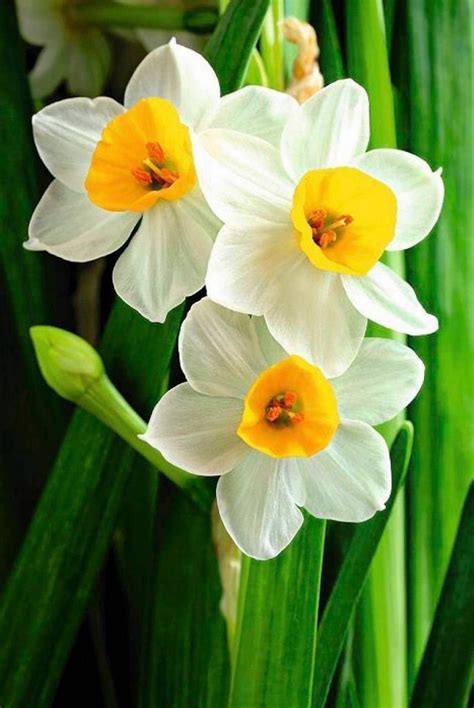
(79, 55)
(76, 53)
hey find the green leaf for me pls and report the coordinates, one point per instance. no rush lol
(48, 590)
(444, 678)
(71, 530)
(273, 654)
(380, 642)
(441, 269)
(186, 662)
(32, 290)
(353, 572)
(330, 60)
(234, 38)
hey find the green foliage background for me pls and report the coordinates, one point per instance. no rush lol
(113, 547)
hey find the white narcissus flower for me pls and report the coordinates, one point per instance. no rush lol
(118, 167)
(281, 432)
(306, 225)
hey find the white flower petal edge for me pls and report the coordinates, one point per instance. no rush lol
(66, 134)
(167, 258)
(197, 432)
(66, 224)
(419, 192)
(152, 39)
(180, 75)
(351, 479)
(316, 320)
(219, 351)
(256, 506)
(328, 130)
(382, 296)
(378, 365)
(254, 110)
(50, 68)
(242, 178)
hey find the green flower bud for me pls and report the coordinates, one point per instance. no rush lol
(68, 363)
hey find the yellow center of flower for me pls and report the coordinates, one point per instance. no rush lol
(144, 155)
(344, 219)
(290, 410)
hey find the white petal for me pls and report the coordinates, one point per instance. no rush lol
(89, 63)
(351, 479)
(68, 225)
(254, 110)
(151, 39)
(219, 350)
(314, 318)
(66, 134)
(263, 272)
(382, 296)
(256, 507)
(181, 76)
(196, 432)
(167, 258)
(50, 68)
(419, 192)
(383, 379)
(249, 270)
(329, 129)
(242, 178)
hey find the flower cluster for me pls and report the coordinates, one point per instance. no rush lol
(279, 210)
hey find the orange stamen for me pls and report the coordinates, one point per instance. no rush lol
(325, 234)
(155, 151)
(272, 413)
(289, 399)
(280, 409)
(142, 175)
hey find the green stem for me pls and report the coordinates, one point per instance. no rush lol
(104, 401)
(381, 640)
(111, 14)
(272, 46)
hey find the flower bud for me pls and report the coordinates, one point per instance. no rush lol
(68, 363)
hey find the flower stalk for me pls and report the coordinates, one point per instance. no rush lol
(112, 14)
(76, 372)
(272, 46)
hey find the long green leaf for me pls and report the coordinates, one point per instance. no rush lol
(441, 269)
(353, 572)
(32, 289)
(54, 574)
(331, 60)
(186, 662)
(380, 643)
(445, 674)
(234, 38)
(71, 530)
(276, 624)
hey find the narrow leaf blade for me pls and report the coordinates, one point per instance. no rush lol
(353, 572)
(445, 674)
